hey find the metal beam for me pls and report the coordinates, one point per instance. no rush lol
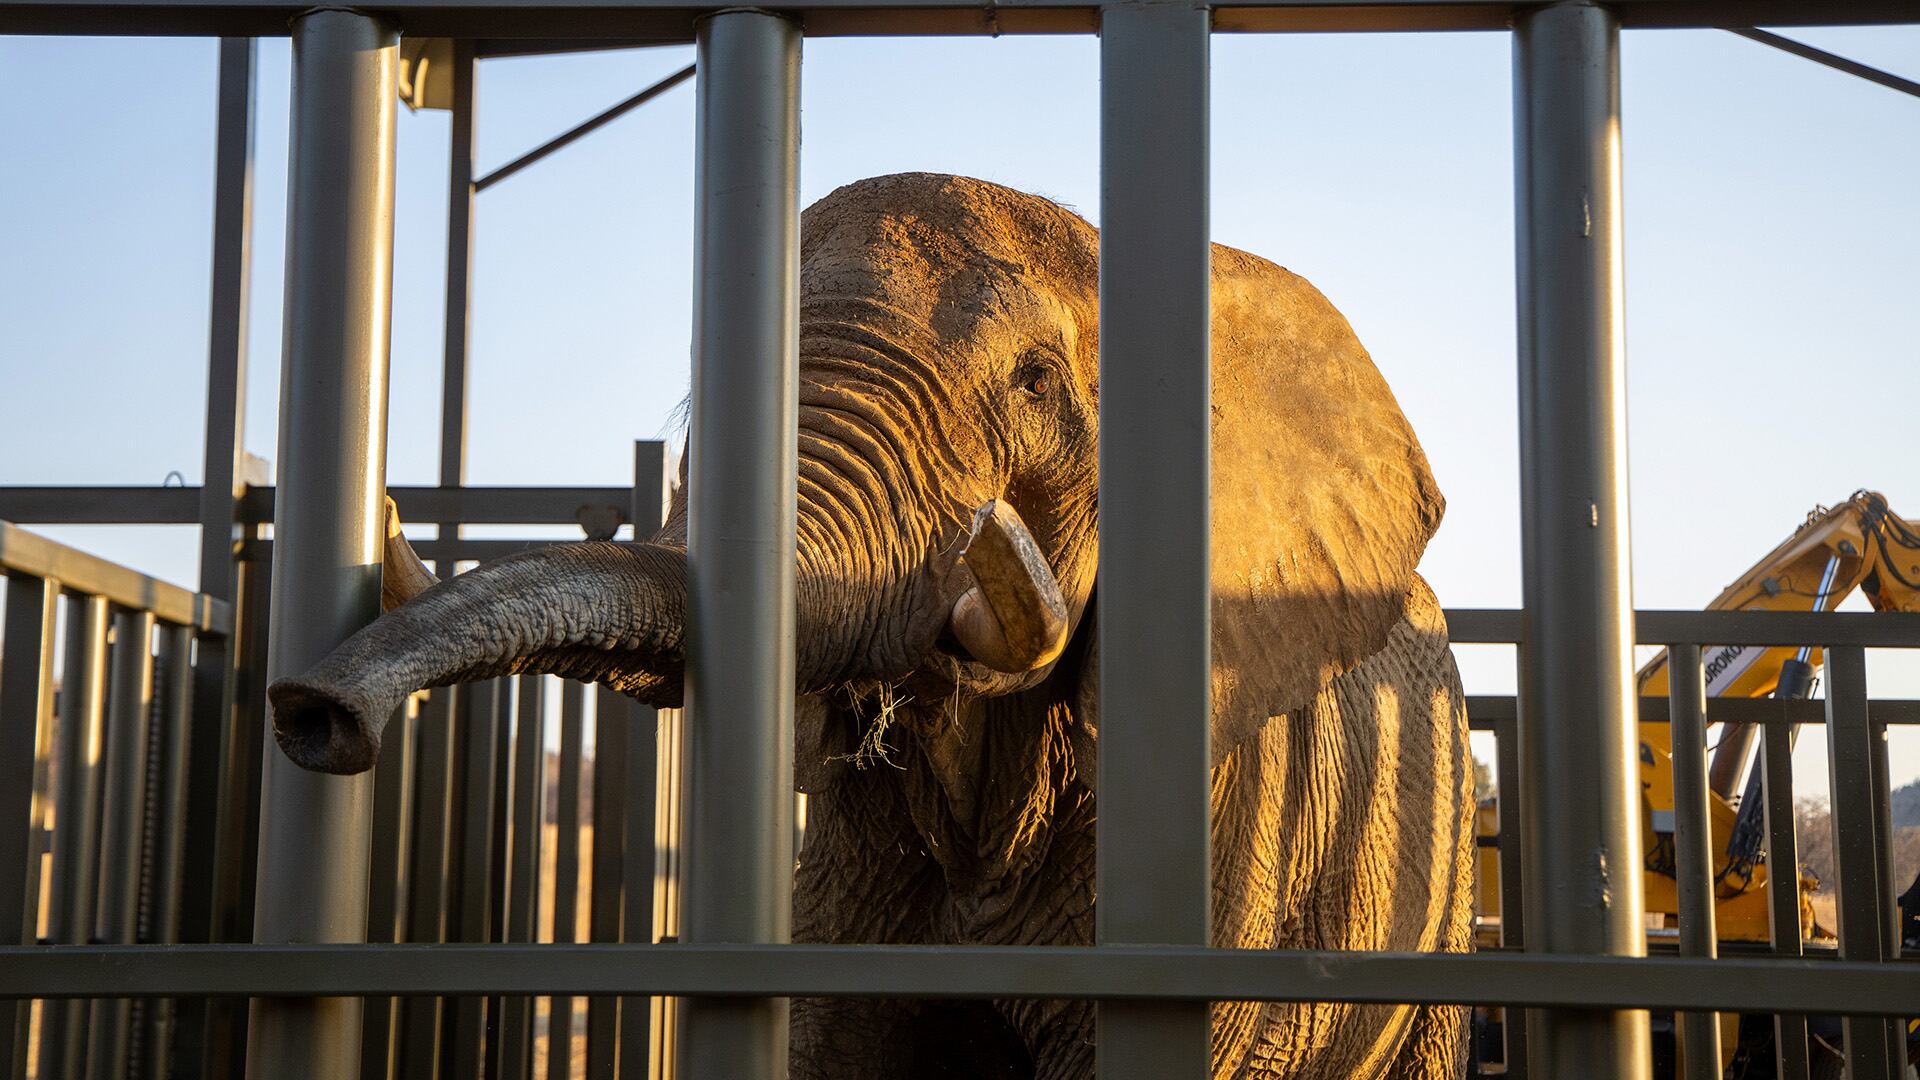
(328, 522)
(583, 129)
(740, 579)
(672, 21)
(1488, 711)
(1836, 62)
(22, 552)
(1580, 797)
(1873, 629)
(1153, 865)
(101, 505)
(1109, 973)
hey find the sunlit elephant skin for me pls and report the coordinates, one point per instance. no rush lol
(949, 345)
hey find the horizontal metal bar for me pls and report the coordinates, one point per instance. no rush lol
(1836, 62)
(1488, 711)
(671, 21)
(34, 505)
(1875, 629)
(583, 128)
(22, 552)
(1107, 973)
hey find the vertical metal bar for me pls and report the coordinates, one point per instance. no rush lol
(387, 890)
(222, 1050)
(1693, 845)
(76, 822)
(174, 690)
(1859, 847)
(433, 751)
(459, 315)
(1783, 886)
(1580, 794)
(26, 738)
(611, 718)
(123, 800)
(328, 512)
(566, 867)
(1153, 876)
(741, 522)
(1513, 1025)
(472, 883)
(639, 866)
(521, 921)
(208, 799)
(499, 871)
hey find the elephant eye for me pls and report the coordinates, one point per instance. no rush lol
(1034, 379)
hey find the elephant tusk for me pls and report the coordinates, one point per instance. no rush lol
(1013, 619)
(402, 575)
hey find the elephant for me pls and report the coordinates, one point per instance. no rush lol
(947, 725)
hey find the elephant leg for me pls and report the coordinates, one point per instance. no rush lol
(1436, 1046)
(863, 878)
(1058, 911)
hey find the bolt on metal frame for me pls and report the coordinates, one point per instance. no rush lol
(1574, 717)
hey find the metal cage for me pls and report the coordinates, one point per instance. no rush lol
(325, 963)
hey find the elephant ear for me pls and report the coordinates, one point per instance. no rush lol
(1322, 499)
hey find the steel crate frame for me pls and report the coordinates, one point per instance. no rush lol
(1150, 970)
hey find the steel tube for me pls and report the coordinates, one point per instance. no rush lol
(1693, 846)
(213, 804)
(1580, 795)
(387, 887)
(566, 867)
(740, 576)
(605, 910)
(520, 922)
(1155, 611)
(124, 804)
(1783, 887)
(76, 821)
(949, 973)
(173, 693)
(428, 872)
(328, 517)
(1859, 847)
(26, 740)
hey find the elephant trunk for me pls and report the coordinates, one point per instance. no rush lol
(600, 612)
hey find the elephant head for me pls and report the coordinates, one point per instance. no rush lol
(948, 361)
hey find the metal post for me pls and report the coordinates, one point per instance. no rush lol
(388, 860)
(328, 513)
(740, 580)
(173, 673)
(427, 885)
(1693, 844)
(76, 823)
(521, 920)
(1580, 794)
(469, 907)
(124, 803)
(612, 717)
(208, 801)
(566, 867)
(1513, 923)
(26, 738)
(646, 784)
(1859, 847)
(459, 309)
(1155, 611)
(1783, 887)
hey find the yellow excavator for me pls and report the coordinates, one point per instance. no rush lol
(1859, 544)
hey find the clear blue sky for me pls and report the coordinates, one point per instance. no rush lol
(1773, 264)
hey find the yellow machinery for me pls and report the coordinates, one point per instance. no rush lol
(1857, 544)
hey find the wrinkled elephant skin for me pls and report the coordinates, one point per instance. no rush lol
(949, 360)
